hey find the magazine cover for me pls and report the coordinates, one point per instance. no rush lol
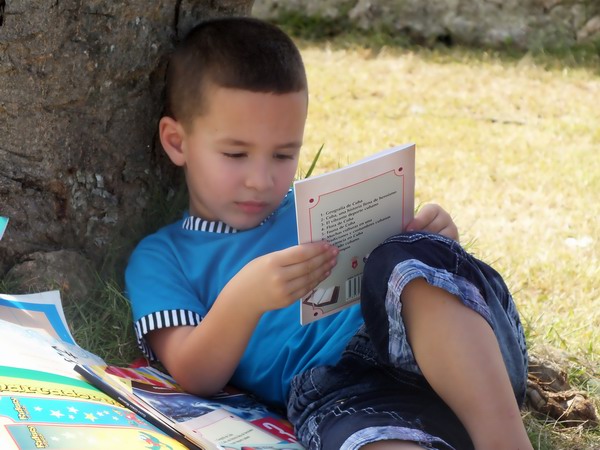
(43, 410)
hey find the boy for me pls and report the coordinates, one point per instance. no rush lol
(422, 365)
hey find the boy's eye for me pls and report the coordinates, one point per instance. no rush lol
(283, 156)
(234, 155)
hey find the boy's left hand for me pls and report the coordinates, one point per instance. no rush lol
(434, 219)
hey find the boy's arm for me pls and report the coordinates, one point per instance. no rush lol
(203, 358)
(434, 219)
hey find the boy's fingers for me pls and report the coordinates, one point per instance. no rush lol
(430, 218)
(437, 223)
(306, 252)
(450, 231)
(434, 219)
(423, 218)
(312, 267)
(300, 286)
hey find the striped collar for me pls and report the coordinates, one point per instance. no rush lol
(194, 223)
(197, 224)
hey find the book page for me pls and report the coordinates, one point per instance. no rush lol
(37, 350)
(354, 208)
(36, 324)
(41, 311)
(3, 225)
(228, 420)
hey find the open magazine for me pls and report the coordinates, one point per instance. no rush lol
(354, 208)
(45, 403)
(233, 420)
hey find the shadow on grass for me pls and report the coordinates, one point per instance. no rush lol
(342, 34)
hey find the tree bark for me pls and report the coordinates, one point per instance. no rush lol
(80, 91)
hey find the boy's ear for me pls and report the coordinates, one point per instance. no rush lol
(172, 136)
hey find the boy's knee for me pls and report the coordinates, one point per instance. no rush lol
(420, 295)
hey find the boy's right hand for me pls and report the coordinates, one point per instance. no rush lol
(269, 282)
(277, 279)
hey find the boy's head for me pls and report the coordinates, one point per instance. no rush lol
(236, 53)
(236, 107)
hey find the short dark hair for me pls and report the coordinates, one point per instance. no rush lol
(235, 52)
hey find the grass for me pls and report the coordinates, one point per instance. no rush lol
(102, 324)
(508, 143)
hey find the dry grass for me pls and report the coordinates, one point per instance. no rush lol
(511, 148)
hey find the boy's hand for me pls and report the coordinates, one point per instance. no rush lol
(278, 279)
(269, 282)
(434, 219)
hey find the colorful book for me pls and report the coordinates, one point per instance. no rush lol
(43, 402)
(55, 394)
(354, 208)
(42, 410)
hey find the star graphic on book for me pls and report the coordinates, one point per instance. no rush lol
(90, 417)
(38, 408)
(72, 409)
(56, 414)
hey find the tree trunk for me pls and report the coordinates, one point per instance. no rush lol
(80, 87)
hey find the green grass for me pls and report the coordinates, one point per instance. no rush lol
(102, 324)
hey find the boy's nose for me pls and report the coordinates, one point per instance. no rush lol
(260, 177)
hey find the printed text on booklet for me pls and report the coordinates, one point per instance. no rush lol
(354, 208)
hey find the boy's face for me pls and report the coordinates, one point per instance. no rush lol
(242, 153)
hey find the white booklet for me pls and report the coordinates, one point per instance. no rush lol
(354, 208)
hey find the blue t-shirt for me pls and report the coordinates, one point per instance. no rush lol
(175, 275)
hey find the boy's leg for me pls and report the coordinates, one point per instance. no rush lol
(459, 356)
(434, 310)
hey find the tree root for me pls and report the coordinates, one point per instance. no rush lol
(549, 394)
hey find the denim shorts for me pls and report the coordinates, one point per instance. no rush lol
(376, 390)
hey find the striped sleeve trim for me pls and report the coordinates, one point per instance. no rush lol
(162, 319)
